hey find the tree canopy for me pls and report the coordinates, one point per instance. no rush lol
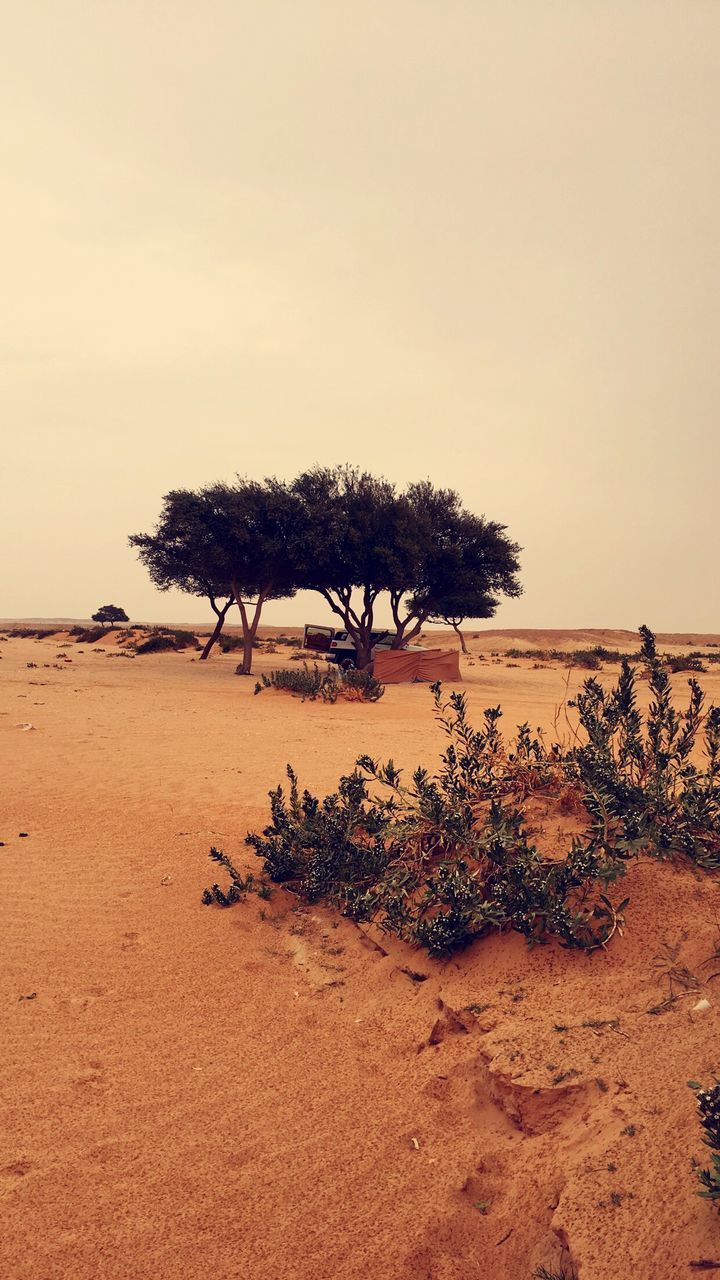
(342, 532)
(355, 533)
(225, 541)
(420, 546)
(110, 613)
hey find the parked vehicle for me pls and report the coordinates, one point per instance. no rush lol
(338, 646)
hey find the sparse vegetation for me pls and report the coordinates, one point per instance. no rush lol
(708, 1105)
(239, 886)
(567, 1272)
(88, 635)
(446, 859)
(332, 683)
(167, 638)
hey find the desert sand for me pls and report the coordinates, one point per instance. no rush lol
(261, 1092)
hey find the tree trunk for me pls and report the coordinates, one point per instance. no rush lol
(463, 645)
(213, 638)
(363, 653)
(221, 615)
(249, 628)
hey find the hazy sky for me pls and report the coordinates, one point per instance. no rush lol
(475, 240)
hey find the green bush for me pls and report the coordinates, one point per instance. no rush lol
(708, 1104)
(446, 859)
(311, 683)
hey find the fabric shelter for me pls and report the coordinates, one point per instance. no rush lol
(403, 666)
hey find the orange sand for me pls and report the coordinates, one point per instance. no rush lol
(192, 1093)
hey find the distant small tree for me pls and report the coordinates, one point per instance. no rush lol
(110, 614)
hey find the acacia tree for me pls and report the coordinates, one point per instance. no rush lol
(352, 545)
(455, 564)
(110, 613)
(226, 541)
(258, 526)
(181, 553)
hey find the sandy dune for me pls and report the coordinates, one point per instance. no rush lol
(190, 1093)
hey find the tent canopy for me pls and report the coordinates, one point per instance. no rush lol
(403, 666)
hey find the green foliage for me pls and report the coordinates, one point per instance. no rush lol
(311, 683)
(238, 888)
(443, 860)
(708, 1105)
(420, 546)
(640, 786)
(446, 859)
(235, 541)
(593, 659)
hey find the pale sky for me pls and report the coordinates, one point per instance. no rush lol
(475, 240)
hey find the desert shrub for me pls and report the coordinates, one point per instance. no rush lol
(88, 635)
(687, 662)
(163, 639)
(311, 683)
(592, 659)
(443, 860)
(156, 644)
(708, 1105)
(238, 888)
(360, 684)
(588, 659)
(447, 859)
(640, 785)
(229, 643)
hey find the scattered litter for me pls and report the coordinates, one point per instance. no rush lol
(32, 996)
(702, 1006)
(415, 1144)
(166, 880)
(23, 834)
(25, 725)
